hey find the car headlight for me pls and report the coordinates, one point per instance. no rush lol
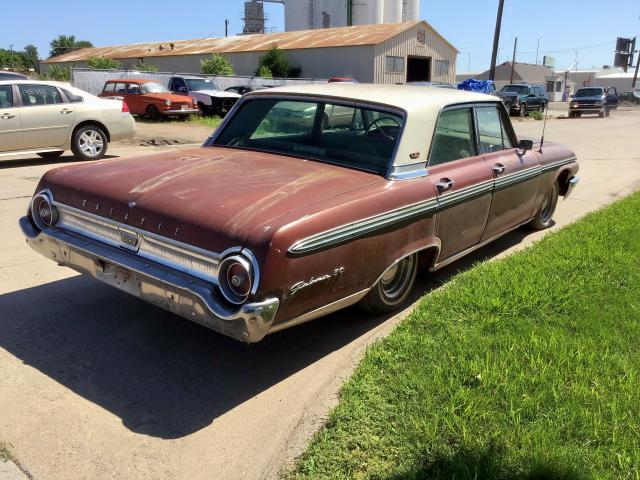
(235, 278)
(167, 102)
(44, 214)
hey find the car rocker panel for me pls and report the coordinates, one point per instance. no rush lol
(302, 234)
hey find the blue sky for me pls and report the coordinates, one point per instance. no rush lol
(589, 27)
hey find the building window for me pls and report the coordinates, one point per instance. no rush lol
(441, 67)
(550, 86)
(558, 86)
(395, 64)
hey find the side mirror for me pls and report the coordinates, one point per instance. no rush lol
(525, 145)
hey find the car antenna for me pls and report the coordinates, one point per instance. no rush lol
(544, 126)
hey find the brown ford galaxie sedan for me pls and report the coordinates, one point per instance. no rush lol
(271, 224)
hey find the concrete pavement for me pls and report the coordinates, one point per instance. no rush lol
(96, 384)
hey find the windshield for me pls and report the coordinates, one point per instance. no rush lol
(201, 84)
(153, 87)
(519, 89)
(589, 92)
(350, 136)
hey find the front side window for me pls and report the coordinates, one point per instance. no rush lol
(345, 135)
(120, 88)
(133, 88)
(33, 95)
(154, 87)
(453, 138)
(6, 96)
(491, 131)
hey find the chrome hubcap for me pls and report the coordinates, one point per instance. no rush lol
(549, 207)
(395, 280)
(91, 143)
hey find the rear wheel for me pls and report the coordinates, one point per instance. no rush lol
(89, 143)
(50, 155)
(544, 217)
(394, 286)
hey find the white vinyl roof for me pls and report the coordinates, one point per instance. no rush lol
(421, 104)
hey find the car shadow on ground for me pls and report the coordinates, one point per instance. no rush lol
(37, 161)
(162, 375)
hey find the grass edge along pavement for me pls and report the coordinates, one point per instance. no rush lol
(521, 368)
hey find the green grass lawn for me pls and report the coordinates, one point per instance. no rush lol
(522, 368)
(212, 122)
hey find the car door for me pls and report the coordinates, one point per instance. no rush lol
(131, 94)
(612, 98)
(463, 180)
(516, 173)
(10, 126)
(46, 119)
(179, 87)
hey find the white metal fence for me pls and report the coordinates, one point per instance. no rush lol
(92, 81)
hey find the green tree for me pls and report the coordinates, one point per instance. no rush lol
(216, 65)
(67, 43)
(145, 67)
(103, 63)
(276, 62)
(31, 56)
(13, 60)
(264, 72)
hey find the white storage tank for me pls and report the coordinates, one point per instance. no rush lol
(297, 15)
(412, 10)
(392, 11)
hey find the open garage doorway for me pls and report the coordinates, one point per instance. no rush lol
(418, 69)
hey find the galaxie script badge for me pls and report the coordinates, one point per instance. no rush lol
(129, 240)
(314, 280)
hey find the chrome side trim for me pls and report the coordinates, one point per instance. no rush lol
(552, 166)
(359, 228)
(518, 177)
(467, 193)
(322, 311)
(461, 254)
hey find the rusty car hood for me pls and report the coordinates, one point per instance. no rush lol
(210, 197)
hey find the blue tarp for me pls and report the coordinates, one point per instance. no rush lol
(473, 85)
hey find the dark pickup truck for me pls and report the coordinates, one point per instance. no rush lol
(522, 98)
(596, 100)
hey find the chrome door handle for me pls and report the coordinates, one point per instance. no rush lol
(66, 111)
(6, 116)
(444, 184)
(498, 168)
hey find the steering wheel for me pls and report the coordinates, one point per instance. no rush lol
(384, 134)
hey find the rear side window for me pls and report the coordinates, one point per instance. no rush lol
(453, 138)
(72, 97)
(35, 95)
(121, 88)
(6, 96)
(109, 87)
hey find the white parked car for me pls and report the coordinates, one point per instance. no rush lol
(47, 118)
(211, 100)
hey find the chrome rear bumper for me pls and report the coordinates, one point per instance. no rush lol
(167, 288)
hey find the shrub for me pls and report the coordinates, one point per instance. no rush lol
(264, 72)
(145, 67)
(276, 62)
(536, 115)
(58, 73)
(216, 65)
(103, 63)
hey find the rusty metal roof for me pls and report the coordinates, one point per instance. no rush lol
(324, 38)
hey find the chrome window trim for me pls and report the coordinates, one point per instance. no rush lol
(407, 172)
(340, 101)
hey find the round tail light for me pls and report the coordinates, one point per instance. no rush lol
(235, 279)
(44, 214)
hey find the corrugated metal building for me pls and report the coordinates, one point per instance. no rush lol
(385, 53)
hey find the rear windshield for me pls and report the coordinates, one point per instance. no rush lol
(589, 92)
(346, 135)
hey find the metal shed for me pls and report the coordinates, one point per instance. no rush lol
(385, 53)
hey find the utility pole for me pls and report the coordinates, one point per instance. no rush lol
(496, 41)
(537, 50)
(635, 75)
(469, 65)
(226, 28)
(11, 55)
(513, 61)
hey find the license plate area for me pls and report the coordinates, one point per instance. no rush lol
(120, 278)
